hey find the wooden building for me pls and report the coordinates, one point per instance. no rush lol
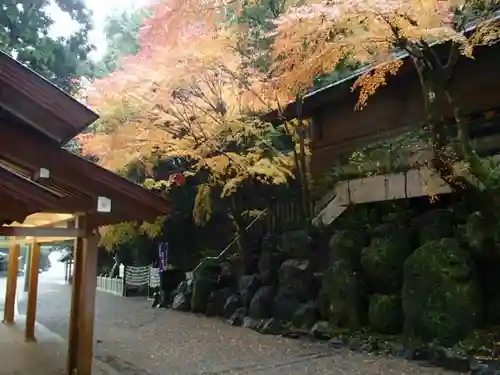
(338, 129)
(48, 194)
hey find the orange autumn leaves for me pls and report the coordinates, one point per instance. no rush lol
(192, 79)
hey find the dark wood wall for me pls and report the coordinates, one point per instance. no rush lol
(338, 128)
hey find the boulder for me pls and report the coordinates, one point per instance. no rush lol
(321, 330)
(305, 316)
(209, 267)
(262, 303)
(253, 323)
(248, 286)
(202, 289)
(346, 244)
(181, 296)
(271, 326)
(285, 304)
(237, 317)
(385, 313)
(382, 262)
(480, 235)
(296, 276)
(181, 303)
(232, 304)
(269, 264)
(226, 275)
(346, 295)
(440, 294)
(217, 301)
(296, 244)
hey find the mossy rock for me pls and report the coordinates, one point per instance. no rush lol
(209, 267)
(346, 244)
(479, 236)
(357, 217)
(202, 289)
(385, 314)
(345, 295)
(436, 224)
(440, 296)
(382, 262)
(296, 244)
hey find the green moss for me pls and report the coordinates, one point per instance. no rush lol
(479, 234)
(385, 313)
(346, 244)
(382, 262)
(440, 295)
(345, 295)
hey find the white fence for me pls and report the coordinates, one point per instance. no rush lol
(134, 278)
(111, 285)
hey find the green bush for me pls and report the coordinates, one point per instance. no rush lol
(440, 295)
(382, 263)
(385, 313)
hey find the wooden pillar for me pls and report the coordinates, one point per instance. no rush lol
(81, 334)
(11, 288)
(32, 291)
(27, 267)
(75, 306)
(66, 271)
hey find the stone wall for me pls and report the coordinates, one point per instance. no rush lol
(420, 271)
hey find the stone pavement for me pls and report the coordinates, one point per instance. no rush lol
(134, 339)
(47, 356)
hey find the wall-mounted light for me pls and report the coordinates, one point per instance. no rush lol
(103, 204)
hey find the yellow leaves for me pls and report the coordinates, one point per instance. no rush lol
(317, 37)
(117, 234)
(369, 82)
(121, 233)
(202, 211)
(153, 229)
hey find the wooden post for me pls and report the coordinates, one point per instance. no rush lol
(66, 271)
(87, 307)
(81, 330)
(27, 267)
(75, 306)
(11, 288)
(32, 291)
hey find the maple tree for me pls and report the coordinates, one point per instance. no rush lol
(189, 93)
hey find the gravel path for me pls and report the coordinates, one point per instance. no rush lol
(135, 339)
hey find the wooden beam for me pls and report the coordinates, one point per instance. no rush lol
(14, 209)
(39, 232)
(79, 174)
(11, 289)
(32, 292)
(35, 194)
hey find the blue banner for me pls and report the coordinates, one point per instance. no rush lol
(163, 256)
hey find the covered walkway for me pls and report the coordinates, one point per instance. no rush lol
(48, 194)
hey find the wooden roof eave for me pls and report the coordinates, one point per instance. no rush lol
(30, 97)
(80, 174)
